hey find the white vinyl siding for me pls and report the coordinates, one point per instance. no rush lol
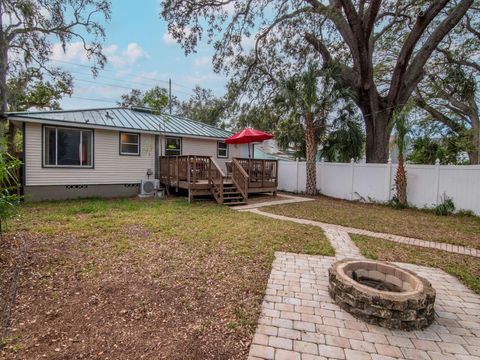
(109, 167)
(193, 146)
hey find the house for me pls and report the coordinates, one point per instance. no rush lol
(107, 152)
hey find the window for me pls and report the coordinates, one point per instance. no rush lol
(222, 149)
(129, 144)
(67, 147)
(173, 146)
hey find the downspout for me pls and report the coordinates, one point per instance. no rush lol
(24, 157)
(157, 158)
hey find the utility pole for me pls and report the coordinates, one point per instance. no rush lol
(170, 95)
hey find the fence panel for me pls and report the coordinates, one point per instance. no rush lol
(375, 182)
(462, 183)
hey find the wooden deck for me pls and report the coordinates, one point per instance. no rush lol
(201, 175)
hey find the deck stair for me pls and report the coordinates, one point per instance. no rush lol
(231, 196)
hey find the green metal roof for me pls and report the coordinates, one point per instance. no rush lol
(138, 119)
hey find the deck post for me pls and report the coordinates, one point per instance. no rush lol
(177, 170)
(210, 172)
(263, 173)
(188, 180)
(276, 174)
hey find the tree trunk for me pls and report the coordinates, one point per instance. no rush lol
(401, 182)
(474, 156)
(378, 136)
(311, 152)
(10, 138)
(3, 82)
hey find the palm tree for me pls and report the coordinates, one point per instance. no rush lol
(308, 99)
(346, 138)
(401, 175)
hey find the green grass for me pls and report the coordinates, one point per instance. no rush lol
(196, 225)
(465, 268)
(198, 270)
(454, 229)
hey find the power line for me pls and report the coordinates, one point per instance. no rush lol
(91, 99)
(146, 86)
(113, 71)
(102, 83)
(125, 87)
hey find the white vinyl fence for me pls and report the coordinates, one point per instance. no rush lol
(427, 184)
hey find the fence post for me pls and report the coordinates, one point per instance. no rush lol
(437, 180)
(352, 166)
(388, 178)
(296, 177)
(322, 175)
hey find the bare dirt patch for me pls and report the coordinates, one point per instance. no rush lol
(125, 279)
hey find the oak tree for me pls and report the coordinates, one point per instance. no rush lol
(380, 46)
(28, 29)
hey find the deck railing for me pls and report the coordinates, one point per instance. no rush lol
(216, 179)
(189, 168)
(240, 178)
(198, 167)
(260, 171)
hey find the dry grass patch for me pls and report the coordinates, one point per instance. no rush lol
(123, 279)
(466, 268)
(454, 229)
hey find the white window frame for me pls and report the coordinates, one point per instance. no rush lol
(81, 130)
(226, 150)
(137, 143)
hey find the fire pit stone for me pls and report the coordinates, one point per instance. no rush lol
(382, 294)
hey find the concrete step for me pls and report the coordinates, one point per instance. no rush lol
(233, 203)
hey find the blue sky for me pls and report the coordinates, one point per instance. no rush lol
(141, 55)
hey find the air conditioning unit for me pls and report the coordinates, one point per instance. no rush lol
(148, 187)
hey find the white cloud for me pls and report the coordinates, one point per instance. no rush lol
(202, 61)
(73, 52)
(247, 42)
(230, 8)
(168, 38)
(129, 56)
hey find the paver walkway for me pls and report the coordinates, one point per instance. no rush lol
(395, 238)
(280, 200)
(299, 321)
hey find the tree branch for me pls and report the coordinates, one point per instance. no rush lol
(414, 72)
(436, 115)
(423, 20)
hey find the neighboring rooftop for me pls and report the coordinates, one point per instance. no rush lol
(139, 119)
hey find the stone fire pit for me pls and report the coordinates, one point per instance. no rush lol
(382, 294)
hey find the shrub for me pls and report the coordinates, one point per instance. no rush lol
(466, 213)
(396, 204)
(9, 186)
(446, 206)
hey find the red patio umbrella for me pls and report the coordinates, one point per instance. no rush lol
(247, 136)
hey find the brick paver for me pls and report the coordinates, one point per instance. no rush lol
(280, 200)
(324, 331)
(332, 229)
